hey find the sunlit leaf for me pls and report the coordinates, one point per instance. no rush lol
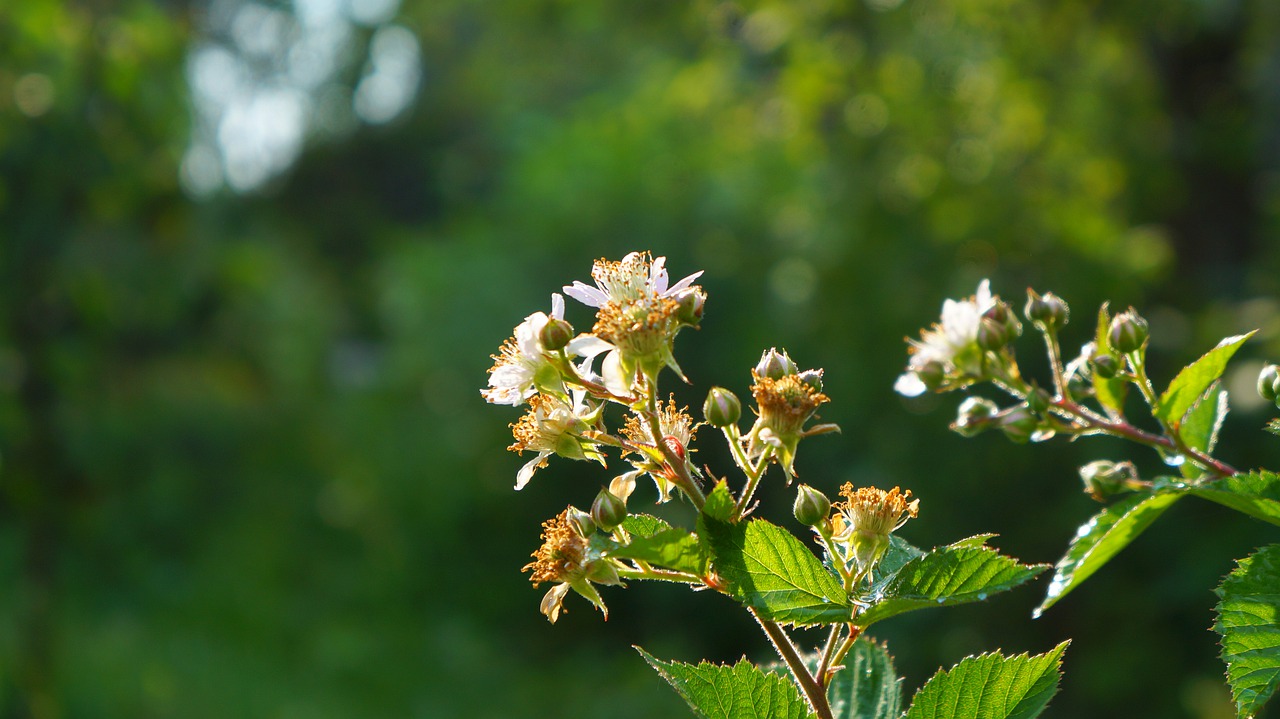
(867, 687)
(1249, 622)
(740, 691)
(1194, 380)
(1257, 494)
(991, 686)
(1101, 538)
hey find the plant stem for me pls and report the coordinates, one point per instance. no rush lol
(854, 633)
(827, 653)
(667, 575)
(813, 691)
(754, 475)
(677, 464)
(1055, 360)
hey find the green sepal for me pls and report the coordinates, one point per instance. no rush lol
(1246, 619)
(768, 569)
(1101, 538)
(1256, 494)
(1194, 381)
(740, 691)
(867, 687)
(956, 574)
(991, 686)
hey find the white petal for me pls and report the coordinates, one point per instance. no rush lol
(983, 298)
(658, 276)
(615, 380)
(909, 385)
(557, 305)
(527, 335)
(684, 283)
(526, 472)
(585, 345)
(589, 296)
(503, 395)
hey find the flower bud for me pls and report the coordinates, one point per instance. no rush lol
(974, 416)
(1128, 331)
(991, 336)
(581, 521)
(722, 407)
(1106, 366)
(608, 511)
(1048, 310)
(1269, 383)
(690, 302)
(555, 334)
(811, 507)
(1018, 424)
(1104, 479)
(775, 365)
(813, 378)
(1005, 320)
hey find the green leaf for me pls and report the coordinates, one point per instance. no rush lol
(1273, 426)
(1256, 494)
(671, 548)
(867, 687)
(991, 686)
(1201, 426)
(720, 504)
(1101, 538)
(1249, 622)
(956, 574)
(741, 691)
(766, 568)
(1194, 380)
(644, 525)
(1111, 393)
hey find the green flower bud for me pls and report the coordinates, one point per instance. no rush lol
(1128, 331)
(811, 507)
(581, 521)
(1106, 366)
(690, 302)
(1104, 479)
(813, 378)
(1269, 383)
(722, 407)
(1048, 310)
(1018, 424)
(555, 334)
(1005, 320)
(974, 416)
(775, 365)
(608, 510)
(991, 335)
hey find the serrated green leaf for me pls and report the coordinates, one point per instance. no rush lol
(766, 568)
(1256, 494)
(1101, 538)
(718, 691)
(991, 686)
(956, 574)
(1201, 425)
(867, 687)
(670, 548)
(1249, 622)
(1194, 380)
(720, 505)
(644, 525)
(1111, 393)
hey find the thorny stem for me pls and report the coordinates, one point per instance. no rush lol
(1055, 359)
(827, 651)
(668, 575)
(754, 475)
(813, 691)
(854, 633)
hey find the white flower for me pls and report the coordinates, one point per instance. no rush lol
(954, 333)
(521, 358)
(636, 277)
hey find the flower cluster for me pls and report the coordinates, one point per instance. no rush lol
(566, 558)
(863, 522)
(954, 352)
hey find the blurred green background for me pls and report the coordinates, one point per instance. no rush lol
(255, 255)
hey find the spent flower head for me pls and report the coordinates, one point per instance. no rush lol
(952, 343)
(784, 404)
(553, 426)
(677, 430)
(565, 558)
(866, 518)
